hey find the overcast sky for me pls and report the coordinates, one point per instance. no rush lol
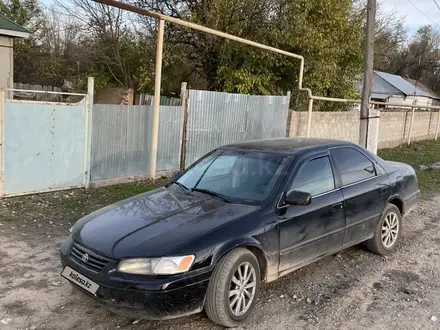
(413, 17)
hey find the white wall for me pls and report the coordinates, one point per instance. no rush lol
(409, 100)
(6, 62)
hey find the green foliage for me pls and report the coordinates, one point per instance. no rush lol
(23, 12)
(119, 49)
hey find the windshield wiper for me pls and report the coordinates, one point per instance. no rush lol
(212, 193)
(181, 185)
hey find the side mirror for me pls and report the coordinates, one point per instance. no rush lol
(298, 198)
(175, 175)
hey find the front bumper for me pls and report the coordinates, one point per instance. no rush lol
(141, 297)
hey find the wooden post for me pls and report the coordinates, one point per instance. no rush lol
(156, 100)
(184, 120)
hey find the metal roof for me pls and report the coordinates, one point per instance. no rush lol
(401, 84)
(426, 90)
(10, 28)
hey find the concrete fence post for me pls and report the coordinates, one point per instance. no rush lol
(438, 125)
(288, 96)
(411, 125)
(373, 130)
(309, 118)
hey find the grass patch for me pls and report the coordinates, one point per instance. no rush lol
(418, 153)
(69, 205)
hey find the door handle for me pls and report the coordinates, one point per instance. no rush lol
(337, 207)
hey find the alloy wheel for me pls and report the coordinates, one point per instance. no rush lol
(390, 230)
(242, 289)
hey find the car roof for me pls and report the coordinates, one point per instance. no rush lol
(287, 145)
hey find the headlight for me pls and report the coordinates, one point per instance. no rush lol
(156, 266)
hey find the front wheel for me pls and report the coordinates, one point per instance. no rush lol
(388, 232)
(234, 288)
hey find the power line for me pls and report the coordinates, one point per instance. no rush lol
(423, 13)
(437, 4)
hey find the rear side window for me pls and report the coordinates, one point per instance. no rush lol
(315, 177)
(353, 165)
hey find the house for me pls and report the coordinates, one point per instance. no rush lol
(392, 88)
(8, 32)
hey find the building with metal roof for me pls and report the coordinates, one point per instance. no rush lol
(392, 88)
(9, 31)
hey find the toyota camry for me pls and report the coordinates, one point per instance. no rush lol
(243, 214)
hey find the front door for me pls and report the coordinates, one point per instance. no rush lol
(309, 232)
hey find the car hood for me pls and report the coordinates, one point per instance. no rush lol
(151, 224)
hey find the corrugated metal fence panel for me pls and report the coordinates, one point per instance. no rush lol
(216, 119)
(44, 146)
(146, 99)
(121, 140)
(168, 149)
(267, 117)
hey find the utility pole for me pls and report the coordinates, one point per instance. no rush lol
(368, 72)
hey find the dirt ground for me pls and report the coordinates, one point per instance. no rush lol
(350, 290)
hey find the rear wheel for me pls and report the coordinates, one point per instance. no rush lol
(234, 288)
(388, 232)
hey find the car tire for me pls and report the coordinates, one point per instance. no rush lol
(388, 232)
(228, 283)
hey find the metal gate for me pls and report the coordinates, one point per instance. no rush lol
(216, 119)
(43, 145)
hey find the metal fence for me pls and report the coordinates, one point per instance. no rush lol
(121, 140)
(146, 99)
(49, 146)
(44, 147)
(215, 119)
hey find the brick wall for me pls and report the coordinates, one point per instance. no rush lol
(393, 128)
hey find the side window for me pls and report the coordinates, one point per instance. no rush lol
(353, 165)
(315, 177)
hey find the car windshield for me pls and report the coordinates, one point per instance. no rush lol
(240, 176)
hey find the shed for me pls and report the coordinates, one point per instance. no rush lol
(9, 31)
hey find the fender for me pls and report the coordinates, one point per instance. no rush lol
(223, 249)
(399, 198)
(269, 265)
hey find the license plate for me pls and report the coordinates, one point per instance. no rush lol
(80, 280)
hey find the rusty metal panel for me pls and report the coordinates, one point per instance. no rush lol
(121, 140)
(44, 146)
(216, 119)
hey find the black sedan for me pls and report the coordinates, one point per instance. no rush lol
(243, 214)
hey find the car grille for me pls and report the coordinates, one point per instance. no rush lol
(93, 261)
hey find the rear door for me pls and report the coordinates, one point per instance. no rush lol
(309, 232)
(365, 188)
